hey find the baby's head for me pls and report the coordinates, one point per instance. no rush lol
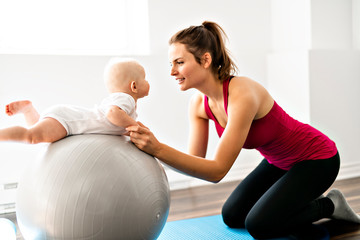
(126, 75)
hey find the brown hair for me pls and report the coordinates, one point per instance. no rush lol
(208, 37)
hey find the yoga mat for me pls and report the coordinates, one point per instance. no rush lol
(213, 228)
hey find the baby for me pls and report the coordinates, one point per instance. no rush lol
(125, 82)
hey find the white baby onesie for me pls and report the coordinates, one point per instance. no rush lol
(80, 120)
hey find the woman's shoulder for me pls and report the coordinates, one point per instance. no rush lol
(244, 90)
(197, 105)
(242, 86)
(197, 98)
(245, 85)
(243, 81)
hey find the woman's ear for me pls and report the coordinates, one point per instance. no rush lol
(133, 87)
(206, 60)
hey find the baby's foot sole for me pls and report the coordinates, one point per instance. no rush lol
(18, 107)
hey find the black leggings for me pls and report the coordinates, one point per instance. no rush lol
(271, 202)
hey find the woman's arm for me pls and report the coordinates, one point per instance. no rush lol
(192, 165)
(243, 105)
(199, 127)
(242, 108)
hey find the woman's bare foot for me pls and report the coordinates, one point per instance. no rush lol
(25, 107)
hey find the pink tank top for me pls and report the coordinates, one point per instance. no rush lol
(282, 140)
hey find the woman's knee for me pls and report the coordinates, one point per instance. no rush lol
(258, 227)
(228, 219)
(255, 225)
(231, 219)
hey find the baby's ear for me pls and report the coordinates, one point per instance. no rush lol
(133, 87)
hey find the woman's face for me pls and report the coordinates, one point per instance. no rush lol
(184, 67)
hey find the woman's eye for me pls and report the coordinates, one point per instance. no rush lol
(179, 63)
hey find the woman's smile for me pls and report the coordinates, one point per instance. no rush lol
(180, 80)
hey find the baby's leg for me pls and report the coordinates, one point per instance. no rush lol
(25, 107)
(47, 130)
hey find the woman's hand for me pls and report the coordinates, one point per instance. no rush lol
(199, 167)
(144, 139)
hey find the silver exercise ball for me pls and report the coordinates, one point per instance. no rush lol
(93, 187)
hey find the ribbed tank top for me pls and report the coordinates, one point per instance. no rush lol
(281, 139)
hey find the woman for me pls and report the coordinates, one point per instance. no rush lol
(285, 190)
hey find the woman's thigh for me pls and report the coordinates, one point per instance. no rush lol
(288, 201)
(248, 192)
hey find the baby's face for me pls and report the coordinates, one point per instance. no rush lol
(143, 85)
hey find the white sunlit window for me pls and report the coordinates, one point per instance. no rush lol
(80, 27)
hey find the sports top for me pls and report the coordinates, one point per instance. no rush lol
(281, 139)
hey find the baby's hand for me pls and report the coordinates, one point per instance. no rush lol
(128, 132)
(142, 125)
(143, 138)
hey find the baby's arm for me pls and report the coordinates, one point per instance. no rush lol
(119, 117)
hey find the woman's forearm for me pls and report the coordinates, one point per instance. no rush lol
(206, 169)
(199, 167)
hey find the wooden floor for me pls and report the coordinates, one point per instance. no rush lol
(207, 201)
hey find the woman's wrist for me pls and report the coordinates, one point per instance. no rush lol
(159, 150)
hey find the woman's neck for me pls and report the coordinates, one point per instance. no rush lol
(213, 88)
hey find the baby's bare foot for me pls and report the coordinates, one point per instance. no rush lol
(25, 107)
(18, 107)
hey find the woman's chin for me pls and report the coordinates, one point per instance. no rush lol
(183, 88)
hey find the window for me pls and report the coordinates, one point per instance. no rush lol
(79, 27)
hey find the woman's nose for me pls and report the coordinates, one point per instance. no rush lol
(173, 71)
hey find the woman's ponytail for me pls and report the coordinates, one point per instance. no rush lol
(208, 37)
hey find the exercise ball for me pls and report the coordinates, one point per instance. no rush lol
(7, 229)
(93, 187)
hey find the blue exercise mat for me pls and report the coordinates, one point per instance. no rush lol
(213, 228)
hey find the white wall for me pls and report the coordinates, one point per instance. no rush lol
(332, 24)
(335, 98)
(48, 80)
(318, 77)
(334, 63)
